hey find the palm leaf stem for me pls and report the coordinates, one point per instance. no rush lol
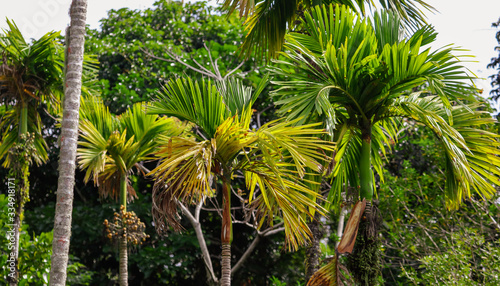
(365, 173)
(23, 120)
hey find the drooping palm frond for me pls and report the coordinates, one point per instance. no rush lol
(471, 152)
(277, 166)
(271, 157)
(268, 21)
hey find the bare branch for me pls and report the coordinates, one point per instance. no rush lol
(199, 235)
(246, 255)
(214, 64)
(177, 59)
(268, 232)
(234, 70)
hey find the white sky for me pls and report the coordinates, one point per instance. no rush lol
(459, 22)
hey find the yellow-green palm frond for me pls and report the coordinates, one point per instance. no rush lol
(111, 146)
(92, 151)
(302, 143)
(184, 173)
(273, 166)
(471, 152)
(281, 195)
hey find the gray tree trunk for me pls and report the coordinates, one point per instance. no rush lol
(75, 39)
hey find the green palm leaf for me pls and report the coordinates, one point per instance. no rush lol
(267, 21)
(271, 157)
(112, 145)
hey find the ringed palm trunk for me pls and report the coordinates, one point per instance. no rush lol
(226, 234)
(68, 142)
(123, 239)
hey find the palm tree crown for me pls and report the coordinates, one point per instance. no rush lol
(30, 74)
(222, 146)
(361, 75)
(112, 146)
(267, 21)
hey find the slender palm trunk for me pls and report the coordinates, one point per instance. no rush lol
(19, 178)
(68, 143)
(227, 231)
(123, 239)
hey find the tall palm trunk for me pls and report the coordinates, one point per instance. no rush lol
(20, 177)
(123, 239)
(226, 234)
(75, 39)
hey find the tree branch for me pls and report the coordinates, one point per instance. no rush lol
(199, 235)
(268, 232)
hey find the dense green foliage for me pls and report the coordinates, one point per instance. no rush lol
(127, 37)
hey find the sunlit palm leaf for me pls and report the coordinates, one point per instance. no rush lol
(198, 103)
(111, 146)
(271, 157)
(472, 162)
(268, 20)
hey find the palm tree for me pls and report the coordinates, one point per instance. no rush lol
(270, 159)
(110, 147)
(359, 77)
(75, 40)
(267, 21)
(30, 75)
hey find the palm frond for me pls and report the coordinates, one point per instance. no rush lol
(268, 21)
(196, 102)
(471, 152)
(111, 146)
(184, 173)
